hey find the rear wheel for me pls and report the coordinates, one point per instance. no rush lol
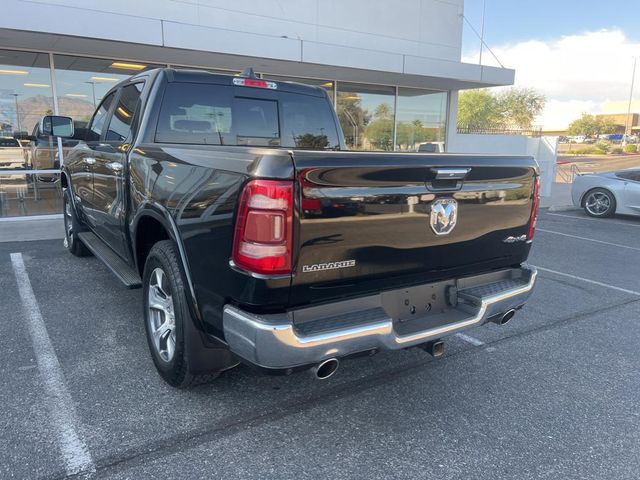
(72, 226)
(166, 315)
(599, 202)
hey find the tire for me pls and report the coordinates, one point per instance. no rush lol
(72, 226)
(600, 203)
(166, 313)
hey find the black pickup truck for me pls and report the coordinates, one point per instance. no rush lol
(257, 238)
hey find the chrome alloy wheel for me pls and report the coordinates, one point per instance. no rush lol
(597, 203)
(161, 315)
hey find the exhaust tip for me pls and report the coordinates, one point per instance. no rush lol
(506, 318)
(435, 348)
(326, 369)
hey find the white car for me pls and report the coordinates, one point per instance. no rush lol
(11, 154)
(607, 193)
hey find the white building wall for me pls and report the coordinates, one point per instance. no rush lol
(375, 34)
(424, 28)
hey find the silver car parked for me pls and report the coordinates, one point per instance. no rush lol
(607, 193)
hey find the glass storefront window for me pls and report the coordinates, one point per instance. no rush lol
(82, 82)
(326, 84)
(26, 95)
(24, 194)
(366, 115)
(25, 91)
(421, 120)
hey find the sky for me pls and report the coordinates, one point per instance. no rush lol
(579, 54)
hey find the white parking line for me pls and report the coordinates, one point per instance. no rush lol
(63, 417)
(587, 280)
(471, 340)
(601, 220)
(587, 239)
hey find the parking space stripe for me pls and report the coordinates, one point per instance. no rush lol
(587, 280)
(601, 220)
(587, 239)
(471, 340)
(63, 417)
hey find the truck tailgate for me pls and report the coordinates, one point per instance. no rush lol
(387, 220)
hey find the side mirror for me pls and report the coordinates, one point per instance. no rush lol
(56, 126)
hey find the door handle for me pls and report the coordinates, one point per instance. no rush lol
(450, 173)
(89, 160)
(114, 166)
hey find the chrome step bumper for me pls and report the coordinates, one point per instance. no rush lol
(308, 336)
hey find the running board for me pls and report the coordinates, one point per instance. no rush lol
(124, 272)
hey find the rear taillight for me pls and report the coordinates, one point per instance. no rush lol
(264, 225)
(534, 209)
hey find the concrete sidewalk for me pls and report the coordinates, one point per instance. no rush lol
(31, 229)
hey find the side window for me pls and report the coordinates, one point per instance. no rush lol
(122, 118)
(632, 175)
(97, 122)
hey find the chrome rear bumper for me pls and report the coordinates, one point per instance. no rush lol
(308, 336)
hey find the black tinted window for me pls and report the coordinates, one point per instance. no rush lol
(633, 175)
(210, 114)
(99, 118)
(120, 123)
(308, 122)
(255, 122)
(199, 114)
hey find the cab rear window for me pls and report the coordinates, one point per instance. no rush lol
(203, 114)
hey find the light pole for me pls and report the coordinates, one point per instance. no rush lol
(484, 11)
(15, 96)
(626, 122)
(93, 90)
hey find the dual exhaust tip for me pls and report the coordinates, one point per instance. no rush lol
(328, 367)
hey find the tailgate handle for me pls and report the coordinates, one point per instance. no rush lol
(450, 173)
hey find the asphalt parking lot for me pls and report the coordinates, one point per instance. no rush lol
(554, 394)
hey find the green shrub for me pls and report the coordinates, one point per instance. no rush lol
(616, 150)
(603, 145)
(631, 148)
(586, 151)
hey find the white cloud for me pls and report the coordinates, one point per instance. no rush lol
(589, 72)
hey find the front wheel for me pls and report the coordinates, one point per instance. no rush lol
(166, 315)
(599, 203)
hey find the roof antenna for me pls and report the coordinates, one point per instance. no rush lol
(249, 73)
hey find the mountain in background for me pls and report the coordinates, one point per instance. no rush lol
(32, 108)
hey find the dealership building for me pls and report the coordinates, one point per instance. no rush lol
(393, 65)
